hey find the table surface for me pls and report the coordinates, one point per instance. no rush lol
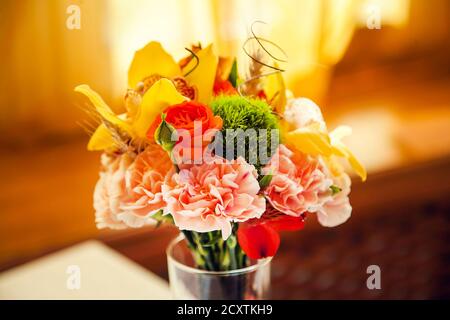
(89, 270)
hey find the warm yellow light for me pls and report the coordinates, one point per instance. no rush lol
(391, 13)
(176, 24)
(314, 33)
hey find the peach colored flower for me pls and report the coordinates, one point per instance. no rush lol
(110, 191)
(297, 184)
(211, 195)
(144, 179)
(128, 192)
(336, 209)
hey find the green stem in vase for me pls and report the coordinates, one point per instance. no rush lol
(231, 246)
(212, 253)
(197, 252)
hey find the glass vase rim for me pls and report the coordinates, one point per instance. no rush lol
(259, 263)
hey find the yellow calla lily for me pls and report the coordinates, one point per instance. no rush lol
(160, 95)
(151, 59)
(204, 74)
(101, 139)
(314, 141)
(310, 140)
(342, 150)
(102, 108)
(148, 61)
(353, 161)
(154, 60)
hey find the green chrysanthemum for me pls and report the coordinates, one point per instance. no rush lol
(249, 115)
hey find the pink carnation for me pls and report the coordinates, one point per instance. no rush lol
(128, 192)
(336, 209)
(302, 184)
(211, 195)
(110, 191)
(297, 184)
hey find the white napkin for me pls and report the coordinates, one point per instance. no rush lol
(89, 270)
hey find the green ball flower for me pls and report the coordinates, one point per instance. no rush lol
(249, 115)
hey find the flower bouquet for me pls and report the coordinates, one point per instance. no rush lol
(230, 158)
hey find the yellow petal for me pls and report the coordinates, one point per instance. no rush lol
(102, 108)
(152, 59)
(335, 136)
(342, 150)
(101, 139)
(356, 165)
(340, 132)
(275, 90)
(310, 140)
(334, 166)
(204, 74)
(161, 95)
(224, 67)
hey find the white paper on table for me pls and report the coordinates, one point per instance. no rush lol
(103, 274)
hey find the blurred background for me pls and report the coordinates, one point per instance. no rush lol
(381, 67)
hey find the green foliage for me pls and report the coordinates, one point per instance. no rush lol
(163, 135)
(244, 113)
(335, 190)
(233, 74)
(264, 181)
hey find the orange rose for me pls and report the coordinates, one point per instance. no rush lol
(223, 87)
(183, 116)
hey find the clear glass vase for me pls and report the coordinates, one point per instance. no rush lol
(188, 282)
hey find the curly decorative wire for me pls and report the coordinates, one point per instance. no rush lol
(260, 42)
(274, 70)
(197, 61)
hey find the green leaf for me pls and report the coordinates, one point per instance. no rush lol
(265, 181)
(161, 218)
(158, 216)
(335, 189)
(163, 135)
(233, 74)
